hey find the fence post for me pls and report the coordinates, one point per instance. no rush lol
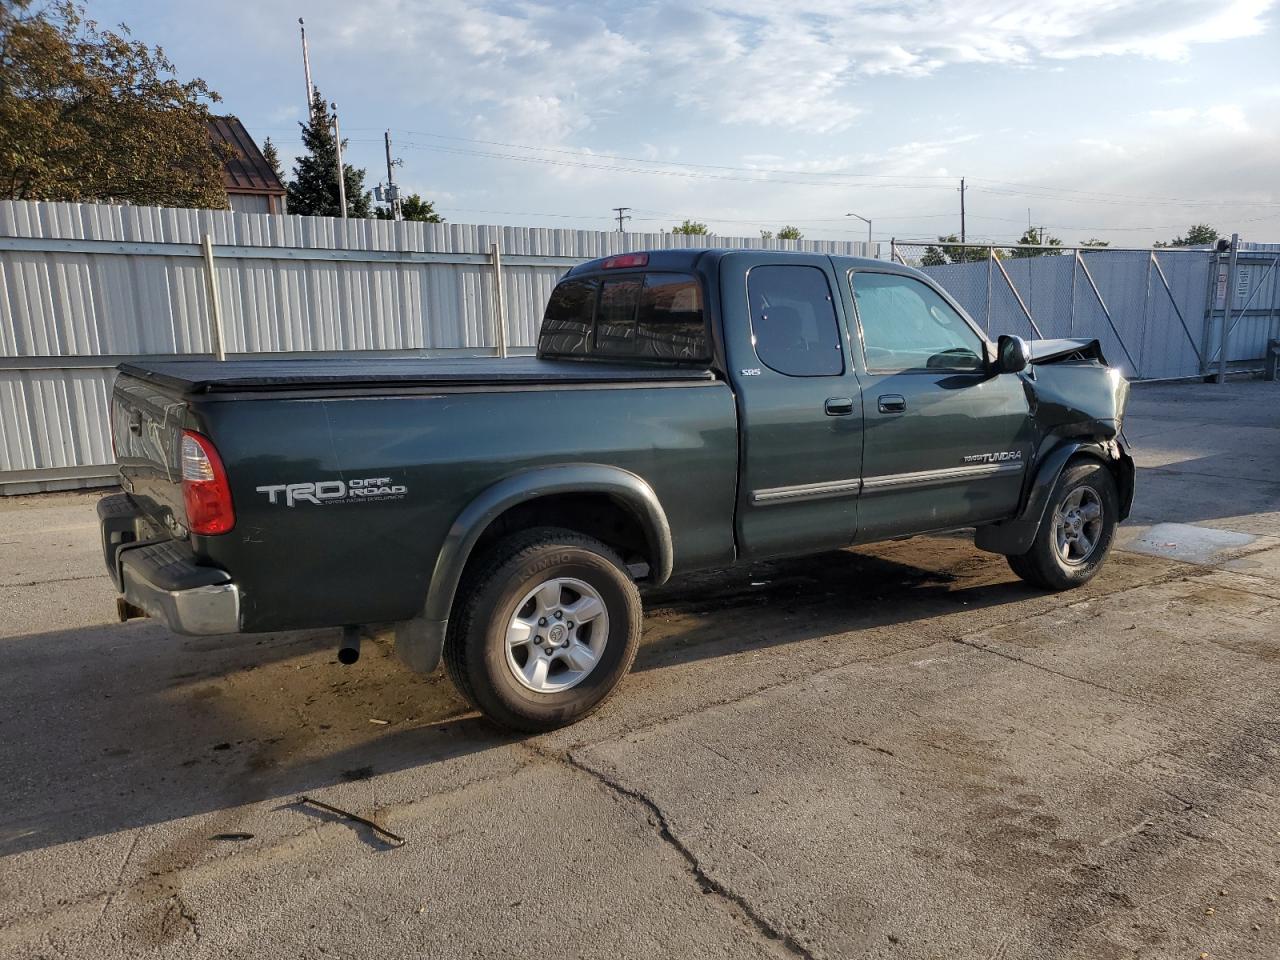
(215, 301)
(499, 302)
(1226, 308)
(1071, 316)
(991, 255)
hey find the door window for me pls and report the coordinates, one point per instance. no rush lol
(906, 325)
(793, 321)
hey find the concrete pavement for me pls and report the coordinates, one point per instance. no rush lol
(899, 751)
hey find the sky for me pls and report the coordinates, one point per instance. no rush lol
(1123, 120)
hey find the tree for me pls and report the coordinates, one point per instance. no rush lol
(941, 256)
(313, 191)
(1032, 242)
(89, 114)
(1198, 235)
(412, 207)
(272, 156)
(766, 234)
(790, 233)
(691, 228)
(1095, 243)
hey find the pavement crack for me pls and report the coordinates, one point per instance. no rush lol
(975, 645)
(704, 879)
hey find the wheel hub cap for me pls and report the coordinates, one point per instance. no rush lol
(556, 635)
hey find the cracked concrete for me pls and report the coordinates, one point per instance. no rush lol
(897, 752)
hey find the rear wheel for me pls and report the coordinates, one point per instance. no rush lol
(545, 629)
(1076, 533)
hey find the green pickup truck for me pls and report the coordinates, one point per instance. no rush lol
(687, 409)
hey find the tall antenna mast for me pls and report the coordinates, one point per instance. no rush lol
(342, 173)
(306, 68)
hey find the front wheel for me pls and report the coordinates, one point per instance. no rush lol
(1076, 533)
(546, 627)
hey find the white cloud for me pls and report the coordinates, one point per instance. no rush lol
(554, 67)
(1228, 117)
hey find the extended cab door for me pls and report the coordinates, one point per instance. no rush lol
(947, 439)
(799, 408)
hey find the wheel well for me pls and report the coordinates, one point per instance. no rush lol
(1123, 477)
(593, 514)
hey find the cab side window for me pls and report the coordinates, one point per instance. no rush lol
(793, 321)
(906, 325)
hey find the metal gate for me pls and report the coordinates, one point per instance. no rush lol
(1158, 313)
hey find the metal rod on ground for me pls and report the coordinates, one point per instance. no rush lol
(215, 301)
(500, 303)
(342, 179)
(1226, 308)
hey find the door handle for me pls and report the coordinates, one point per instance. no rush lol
(892, 403)
(839, 406)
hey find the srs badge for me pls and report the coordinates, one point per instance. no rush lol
(334, 491)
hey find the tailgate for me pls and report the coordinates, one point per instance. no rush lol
(146, 428)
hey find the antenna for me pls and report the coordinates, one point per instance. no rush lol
(306, 68)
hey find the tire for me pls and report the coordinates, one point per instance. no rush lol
(1083, 484)
(514, 594)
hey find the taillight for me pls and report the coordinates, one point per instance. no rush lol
(204, 487)
(625, 260)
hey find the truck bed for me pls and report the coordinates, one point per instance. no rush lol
(193, 377)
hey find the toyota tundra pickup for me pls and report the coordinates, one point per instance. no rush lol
(685, 410)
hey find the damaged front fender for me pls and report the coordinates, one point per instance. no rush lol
(1077, 404)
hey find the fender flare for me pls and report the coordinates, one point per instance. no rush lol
(1014, 536)
(631, 492)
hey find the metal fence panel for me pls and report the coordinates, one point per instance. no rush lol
(84, 286)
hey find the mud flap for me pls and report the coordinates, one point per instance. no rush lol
(419, 643)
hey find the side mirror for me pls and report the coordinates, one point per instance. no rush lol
(1012, 354)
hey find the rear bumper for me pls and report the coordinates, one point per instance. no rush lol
(160, 576)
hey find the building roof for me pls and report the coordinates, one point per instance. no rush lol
(248, 170)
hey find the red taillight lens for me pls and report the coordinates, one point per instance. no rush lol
(204, 487)
(625, 260)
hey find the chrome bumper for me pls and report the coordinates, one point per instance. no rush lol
(161, 578)
(199, 611)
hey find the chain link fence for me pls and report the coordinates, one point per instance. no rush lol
(1156, 312)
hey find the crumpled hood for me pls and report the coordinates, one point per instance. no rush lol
(1072, 390)
(1048, 351)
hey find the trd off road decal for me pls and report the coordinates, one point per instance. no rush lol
(334, 491)
(1001, 456)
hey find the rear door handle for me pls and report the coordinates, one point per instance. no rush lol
(839, 406)
(892, 403)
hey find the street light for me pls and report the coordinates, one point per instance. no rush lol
(868, 223)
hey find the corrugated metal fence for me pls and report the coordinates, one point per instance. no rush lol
(1158, 313)
(84, 287)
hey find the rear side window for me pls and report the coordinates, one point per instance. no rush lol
(653, 316)
(671, 324)
(793, 321)
(568, 324)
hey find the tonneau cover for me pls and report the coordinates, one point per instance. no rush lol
(233, 376)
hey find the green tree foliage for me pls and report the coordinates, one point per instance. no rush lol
(1032, 242)
(1198, 235)
(412, 207)
(272, 156)
(766, 234)
(941, 256)
(1095, 243)
(89, 114)
(313, 191)
(691, 228)
(790, 233)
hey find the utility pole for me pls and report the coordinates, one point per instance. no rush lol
(342, 180)
(620, 211)
(306, 68)
(962, 234)
(393, 195)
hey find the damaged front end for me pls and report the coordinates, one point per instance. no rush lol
(1076, 404)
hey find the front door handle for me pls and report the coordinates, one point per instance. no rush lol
(892, 403)
(839, 406)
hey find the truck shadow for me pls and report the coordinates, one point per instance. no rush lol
(116, 727)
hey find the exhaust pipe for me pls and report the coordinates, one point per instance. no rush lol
(349, 648)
